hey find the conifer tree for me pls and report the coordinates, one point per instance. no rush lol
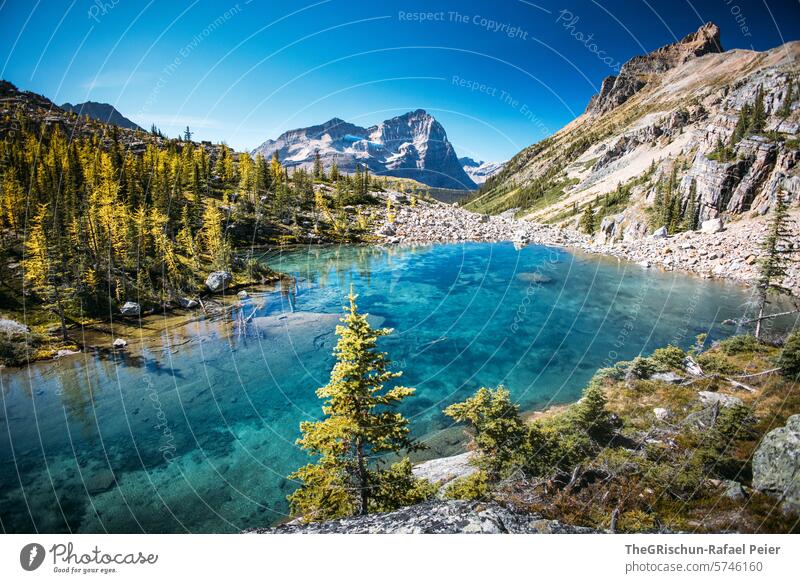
(334, 172)
(588, 222)
(263, 176)
(691, 216)
(498, 431)
(759, 115)
(318, 172)
(360, 422)
(216, 245)
(786, 108)
(41, 270)
(777, 247)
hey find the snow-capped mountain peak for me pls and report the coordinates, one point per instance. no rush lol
(412, 145)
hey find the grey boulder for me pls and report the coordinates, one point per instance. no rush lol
(218, 280)
(130, 309)
(667, 377)
(187, 303)
(776, 464)
(721, 399)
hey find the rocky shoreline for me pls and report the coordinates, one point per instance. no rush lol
(732, 253)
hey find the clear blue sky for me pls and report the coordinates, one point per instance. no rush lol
(498, 74)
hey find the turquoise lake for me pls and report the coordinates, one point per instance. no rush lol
(196, 433)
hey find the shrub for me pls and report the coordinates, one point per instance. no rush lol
(668, 358)
(613, 373)
(790, 357)
(499, 433)
(636, 521)
(396, 486)
(472, 487)
(642, 368)
(716, 362)
(590, 412)
(715, 452)
(733, 424)
(17, 347)
(739, 344)
(561, 444)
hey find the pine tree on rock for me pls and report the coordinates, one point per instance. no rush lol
(360, 423)
(759, 116)
(777, 247)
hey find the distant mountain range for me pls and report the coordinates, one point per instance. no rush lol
(480, 171)
(101, 112)
(412, 145)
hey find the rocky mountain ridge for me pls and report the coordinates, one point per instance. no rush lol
(637, 72)
(667, 122)
(413, 145)
(104, 112)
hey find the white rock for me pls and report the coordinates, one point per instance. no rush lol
(130, 309)
(442, 471)
(660, 233)
(712, 226)
(661, 413)
(119, 343)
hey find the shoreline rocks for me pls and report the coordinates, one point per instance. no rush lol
(732, 253)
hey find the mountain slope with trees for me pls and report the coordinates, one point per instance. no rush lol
(684, 134)
(99, 221)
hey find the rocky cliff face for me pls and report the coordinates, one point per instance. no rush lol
(639, 71)
(412, 145)
(439, 517)
(663, 120)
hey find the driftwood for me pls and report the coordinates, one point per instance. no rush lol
(718, 377)
(767, 317)
(614, 518)
(757, 374)
(576, 475)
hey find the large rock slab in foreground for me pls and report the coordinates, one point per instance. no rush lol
(776, 464)
(452, 517)
(442, 471)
